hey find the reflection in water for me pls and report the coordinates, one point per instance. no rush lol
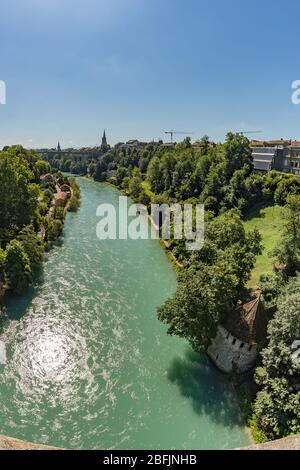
(88, 365)
(200, 383)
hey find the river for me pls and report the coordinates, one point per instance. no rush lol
(85, 363)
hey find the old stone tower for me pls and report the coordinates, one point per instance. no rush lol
(240, 337)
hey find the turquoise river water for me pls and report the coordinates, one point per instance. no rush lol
(84, 362)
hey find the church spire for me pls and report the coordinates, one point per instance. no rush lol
(58, 147)
(104, 140)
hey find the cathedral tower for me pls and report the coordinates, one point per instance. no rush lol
(104, 140)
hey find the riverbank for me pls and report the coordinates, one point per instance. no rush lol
(65, 197)
(88, 364)
(177, 268)
(246, 390)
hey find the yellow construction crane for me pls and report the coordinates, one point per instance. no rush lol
(172, 133)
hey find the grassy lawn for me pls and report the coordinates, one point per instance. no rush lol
(269, 222)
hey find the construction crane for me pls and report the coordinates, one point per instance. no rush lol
(172, 133)
(250, 132)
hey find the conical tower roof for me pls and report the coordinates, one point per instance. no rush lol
(248, 322)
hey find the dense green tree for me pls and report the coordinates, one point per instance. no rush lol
(271, 286)
(144, 198)
(237, 154)
(167, 167)
(236, 192)
(125, 183)
(101, 171)
(182, 178)
(55, 229)
(204, 144)
(202, 298)
(277, 406)
(77, 167)
(2, 264)
(17, 267)
(213, 188)
(121, 173)
(288, 251)
(135, 187)
(200, 174)
(91, 169)
(271, 181)
(225, 238)
(288, 185)
(254, 186)
(74, 202)
(37, 166)
(185, 144)
(212, 281)
(41, 168)
(33, 246)
(154, 175)
(18, 196)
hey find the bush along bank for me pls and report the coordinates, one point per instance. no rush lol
(34, 202)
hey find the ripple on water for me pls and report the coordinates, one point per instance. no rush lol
(88, 365)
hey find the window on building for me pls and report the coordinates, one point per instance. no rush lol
(242, 345)
(250, 347)
(233, 341)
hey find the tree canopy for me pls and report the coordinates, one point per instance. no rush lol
(277, 406)
(18, 194)
(211, 284)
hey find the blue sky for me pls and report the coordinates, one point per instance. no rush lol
(139, 67)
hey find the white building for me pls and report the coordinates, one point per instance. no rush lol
(239, 338)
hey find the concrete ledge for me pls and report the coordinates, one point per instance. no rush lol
(9, 443)
(288, 443)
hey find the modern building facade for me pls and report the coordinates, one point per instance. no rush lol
(280, 155)
(268, 158)
(293, 158)
(270, 155)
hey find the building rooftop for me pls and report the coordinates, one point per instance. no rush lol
(65, 188)
(47, 176)
(248, 322)
(270, 143)
(61, 196)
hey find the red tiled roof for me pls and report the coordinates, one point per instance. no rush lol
(61, 196)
